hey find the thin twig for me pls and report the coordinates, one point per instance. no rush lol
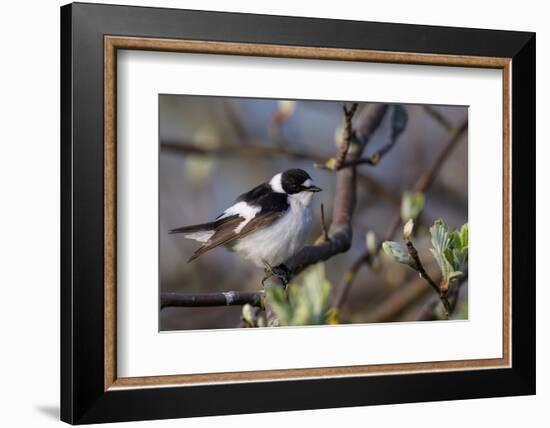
(428, 313)
(419, 267)
(398, 124)
(324, 224)
(348, 134)
(372, 160)
(226, 298)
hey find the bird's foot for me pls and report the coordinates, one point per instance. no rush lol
(280, 271)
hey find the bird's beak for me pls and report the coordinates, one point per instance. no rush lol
(313, 189)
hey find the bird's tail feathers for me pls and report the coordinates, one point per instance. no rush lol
(202, 233)
(198, 232)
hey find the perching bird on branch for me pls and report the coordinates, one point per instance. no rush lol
(266, 225)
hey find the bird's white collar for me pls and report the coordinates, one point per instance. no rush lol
(276, 183)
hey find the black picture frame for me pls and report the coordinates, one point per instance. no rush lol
(83, 398)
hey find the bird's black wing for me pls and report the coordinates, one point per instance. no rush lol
(254, 196)
(272, 202)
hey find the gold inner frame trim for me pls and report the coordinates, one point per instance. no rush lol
(113, 43)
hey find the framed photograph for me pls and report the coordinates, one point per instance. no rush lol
(265, 213)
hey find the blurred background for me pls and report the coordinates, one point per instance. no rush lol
(214, 148)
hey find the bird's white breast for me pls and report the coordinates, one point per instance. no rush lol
(278, 242)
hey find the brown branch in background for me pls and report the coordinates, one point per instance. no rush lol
(342, 291)
(374, 187)
(225, 298)
(396, 303)
(421, 185)
(250, 150)
(439, 117)
(426, 179)
(340, 230)
(246, 151)
(235, 120)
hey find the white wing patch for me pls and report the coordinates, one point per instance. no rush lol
(200, 236)
(244, 210)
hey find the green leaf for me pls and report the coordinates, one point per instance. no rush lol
(412, 204)
(308, 298)
(464, 236)
(276, 297)
(459, 258)
(450, 250)
(441, 243)
(455, 239)
(397, 252)
(316, 292)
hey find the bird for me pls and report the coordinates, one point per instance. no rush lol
(266, 225)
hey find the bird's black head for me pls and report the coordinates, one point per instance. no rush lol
(297, 180)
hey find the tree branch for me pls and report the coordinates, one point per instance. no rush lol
(438, 117)
(226, 298)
